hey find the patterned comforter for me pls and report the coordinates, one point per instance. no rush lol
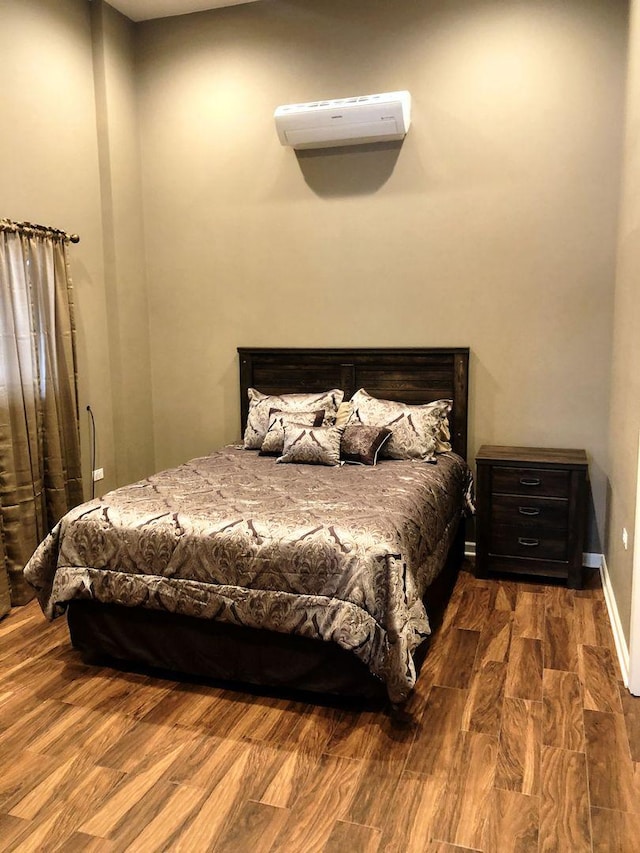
(343, 554)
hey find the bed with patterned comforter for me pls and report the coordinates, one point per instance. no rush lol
(341, 554)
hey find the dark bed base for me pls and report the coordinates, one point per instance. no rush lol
(115, 635)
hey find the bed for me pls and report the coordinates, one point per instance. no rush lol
(305, 577)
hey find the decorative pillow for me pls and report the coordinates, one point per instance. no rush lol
(311, 445)
(261, 404)
(360, 444)
(274, 439)
(418, 432)
(441, 409)
(345, 410)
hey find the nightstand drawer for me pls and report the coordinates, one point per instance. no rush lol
(530, 481)
(513, 541)
(531, 512)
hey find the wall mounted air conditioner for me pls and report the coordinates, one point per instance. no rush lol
(345, 121)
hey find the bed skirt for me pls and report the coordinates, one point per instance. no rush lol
(120, 636)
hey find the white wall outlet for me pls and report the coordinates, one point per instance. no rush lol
(98, 474)
(625, 538)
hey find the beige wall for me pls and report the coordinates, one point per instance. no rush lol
(49, 171)
(124, 257)
(493, 226)
(625, 384)
(69, 158)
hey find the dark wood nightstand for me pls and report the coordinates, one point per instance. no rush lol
(531, 512)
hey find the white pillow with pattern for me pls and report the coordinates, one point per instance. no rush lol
(417, 432)
(311, 445)
(274, 439)
(260, 406)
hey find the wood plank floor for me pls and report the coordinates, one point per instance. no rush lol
(520, 737)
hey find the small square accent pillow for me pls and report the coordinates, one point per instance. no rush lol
(418, 432)
(311, 445)
(360, 444)
(274, 439)
(260, 406)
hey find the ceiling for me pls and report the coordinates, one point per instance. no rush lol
(145, 10)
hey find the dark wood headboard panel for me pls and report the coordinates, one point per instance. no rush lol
(410, 375)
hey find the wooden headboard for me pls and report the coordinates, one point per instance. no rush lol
(409, 375)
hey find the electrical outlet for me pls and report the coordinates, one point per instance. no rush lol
(98, 474)
(625, 538)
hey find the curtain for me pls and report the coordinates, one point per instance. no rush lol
(40, 472)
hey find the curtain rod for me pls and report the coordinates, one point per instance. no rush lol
(43, 230)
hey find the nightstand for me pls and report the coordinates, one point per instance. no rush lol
(531, 512)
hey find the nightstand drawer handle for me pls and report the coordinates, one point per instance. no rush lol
(528, 543)
(530, 481)
(528, 510)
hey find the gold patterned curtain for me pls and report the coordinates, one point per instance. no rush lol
(40, 472)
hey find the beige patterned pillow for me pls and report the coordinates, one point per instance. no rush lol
(441, 409)
(418, 432)
(311, 445)
(345, 410)
(274, 439)
(261, 404)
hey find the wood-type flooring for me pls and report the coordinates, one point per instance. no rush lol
(521, 738)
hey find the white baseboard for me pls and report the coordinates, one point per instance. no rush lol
(614, 617)
(592, 561)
